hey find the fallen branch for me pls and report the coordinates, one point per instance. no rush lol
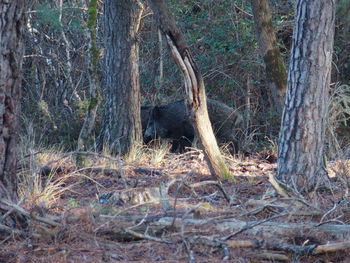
(301, 250)
(23, 212)
(265, 229)
(267, 245)
(333, 247)
(10, 230)
(47, 170)
(147, 237)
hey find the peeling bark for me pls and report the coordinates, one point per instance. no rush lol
(194, 86)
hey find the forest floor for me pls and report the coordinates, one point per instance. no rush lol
(171, 210)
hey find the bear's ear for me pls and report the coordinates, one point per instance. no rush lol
(156, 112)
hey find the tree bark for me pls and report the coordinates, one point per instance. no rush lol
(274, 64)
(194, 86)
(94, 82)
(301, 157)
(12, 21)
(121, 127)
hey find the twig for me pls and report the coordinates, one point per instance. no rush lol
(243, 11)
(146, 236)
(226, 252)
(328, 212)
(190, 252)
(10, 211)
(282, 189)
(217, 183)
(11, 230)
(251, 225)
(141, 221)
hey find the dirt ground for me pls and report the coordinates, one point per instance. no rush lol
(173, 211)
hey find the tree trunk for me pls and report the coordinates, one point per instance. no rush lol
(194, 85)
(301, 158)
(94, 82)
(121, 125)
(274, 64)
(12, 21)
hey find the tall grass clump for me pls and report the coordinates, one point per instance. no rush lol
(35, 186)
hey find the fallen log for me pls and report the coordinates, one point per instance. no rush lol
(265, 229)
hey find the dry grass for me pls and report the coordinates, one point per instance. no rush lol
(137, 154)
(83, 217)
(34, 187)
(338, 119)
(38, 188)
(338, 147)
(158, 152)
(73, 195)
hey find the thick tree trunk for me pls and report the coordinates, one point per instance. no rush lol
(301, 158)
(274, 64)
(194, 86)
(121, 130)
(94, 82)
(12, 20)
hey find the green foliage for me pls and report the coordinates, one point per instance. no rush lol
(92, 14)
(72, 203)
(94, 101)
(44, 109)
(218, 38)
(342, 40)
(92, 19)
(57, 126)
(48, 17)
(82, 107)
(343, 10)
(221, 38)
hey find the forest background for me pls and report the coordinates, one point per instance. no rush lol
(156, 205)
(222, 38)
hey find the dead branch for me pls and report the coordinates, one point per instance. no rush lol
(47, 170)
(265, 229)
(250, 226)
(278, 204)
(333, 247)
(217, 183)
(27, 214)
(140, 231)
(147, 237)
(10, 230)
(149, 195)
(301, 250)
(267, 245)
